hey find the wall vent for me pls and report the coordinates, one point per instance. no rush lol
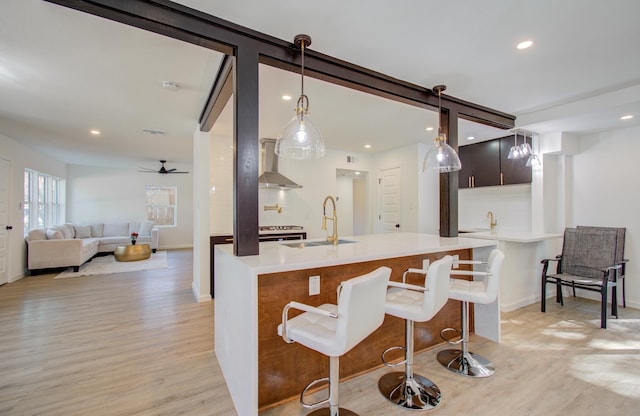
(352, 159)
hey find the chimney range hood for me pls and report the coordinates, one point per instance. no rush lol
(270, 177)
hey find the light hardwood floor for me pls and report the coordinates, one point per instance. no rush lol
(139, 344)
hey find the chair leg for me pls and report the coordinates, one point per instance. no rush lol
(409, 390)
(614, 301)
(543, 294)
(624, 297)
(462, 361)
(603, 308)
(334, 394)
(559, 292)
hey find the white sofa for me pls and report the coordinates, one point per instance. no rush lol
(71, 245)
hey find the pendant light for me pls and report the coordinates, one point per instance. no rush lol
(441, 156)
(534, 160)
(300, 138)
(515, 152)
(525, 148)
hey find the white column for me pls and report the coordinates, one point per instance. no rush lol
(201, 252)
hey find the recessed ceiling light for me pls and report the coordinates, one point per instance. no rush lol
(95, 132)
(525, 44)
(367, 146)
(429, 128)
(286, 97)
(627, 117)
(357, 173)
(470, 138)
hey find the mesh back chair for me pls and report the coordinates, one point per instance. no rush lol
(592, 259)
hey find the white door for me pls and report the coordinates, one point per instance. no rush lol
(390, 191)
(4, 219)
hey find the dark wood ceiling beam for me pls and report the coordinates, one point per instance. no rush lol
(220, 94)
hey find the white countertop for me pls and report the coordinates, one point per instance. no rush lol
(511, 236)
(275, 257)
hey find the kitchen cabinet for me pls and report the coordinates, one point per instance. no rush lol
(480, 165)
(487, 164)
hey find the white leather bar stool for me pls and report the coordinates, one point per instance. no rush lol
(415, 304)
(484, 291)
(333, 330)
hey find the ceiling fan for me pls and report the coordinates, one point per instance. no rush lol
(162, 170)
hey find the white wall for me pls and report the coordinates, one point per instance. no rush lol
(510, 204)
(96, 194)
(604, 192)
(21, 158)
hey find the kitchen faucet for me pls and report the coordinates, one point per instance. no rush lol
(492, 221)
(333, 238)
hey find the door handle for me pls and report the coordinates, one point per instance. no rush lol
(9, 227)
(397, 225)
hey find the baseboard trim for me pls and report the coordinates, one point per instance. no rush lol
(175, 247)
(200, 298)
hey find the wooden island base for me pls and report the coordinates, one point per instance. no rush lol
(285, 369)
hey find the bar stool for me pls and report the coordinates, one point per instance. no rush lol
(461, 361)
(414, 304)
(333, 330)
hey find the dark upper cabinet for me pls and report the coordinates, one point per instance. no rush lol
(487, 164)
(514, 171)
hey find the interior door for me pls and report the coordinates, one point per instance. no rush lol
(390, 186)
(4, 220)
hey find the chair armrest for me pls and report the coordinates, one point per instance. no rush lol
(468, 273)
(469, 262)
(412, 270)
(302, 307)
(408, 286)
(546, 261)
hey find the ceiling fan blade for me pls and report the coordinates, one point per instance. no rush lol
(171, 170)
(147, 170)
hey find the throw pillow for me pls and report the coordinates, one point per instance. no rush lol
(67, 231)
(36, 234)
(145, 228)
(116, 230)
(96, 230)
(54, 234)
(82, 231)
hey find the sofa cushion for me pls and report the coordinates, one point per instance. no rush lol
(36, 234)
(54, 233)
(97, 230)
(82, 231)
(145, 228)
(122, 240)
(67, 231)
(115, 230)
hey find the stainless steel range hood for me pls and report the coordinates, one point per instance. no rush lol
(270, 177)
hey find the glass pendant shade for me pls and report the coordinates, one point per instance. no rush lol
(300, 139)
(533, 160)
(514, 152)
(525, 149)
(442, 157)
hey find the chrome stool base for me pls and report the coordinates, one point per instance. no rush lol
(419, 393)
(325, 411)
(469, 364)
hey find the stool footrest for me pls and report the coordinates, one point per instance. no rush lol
(313, 405)
(458, 333)
(390, 364)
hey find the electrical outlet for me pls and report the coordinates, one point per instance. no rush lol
(456, 258)
(425, 264)
(314, 285)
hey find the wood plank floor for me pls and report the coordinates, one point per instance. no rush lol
(139, 344)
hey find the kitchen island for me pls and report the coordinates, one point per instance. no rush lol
(260, 369)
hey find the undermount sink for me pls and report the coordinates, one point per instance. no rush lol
(304, 244)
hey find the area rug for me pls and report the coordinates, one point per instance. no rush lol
(108, 265)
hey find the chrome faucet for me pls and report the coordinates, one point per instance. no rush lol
(492, 221)
(333, 238)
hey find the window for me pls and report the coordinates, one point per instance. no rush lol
(43, 204)
(161, 205)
